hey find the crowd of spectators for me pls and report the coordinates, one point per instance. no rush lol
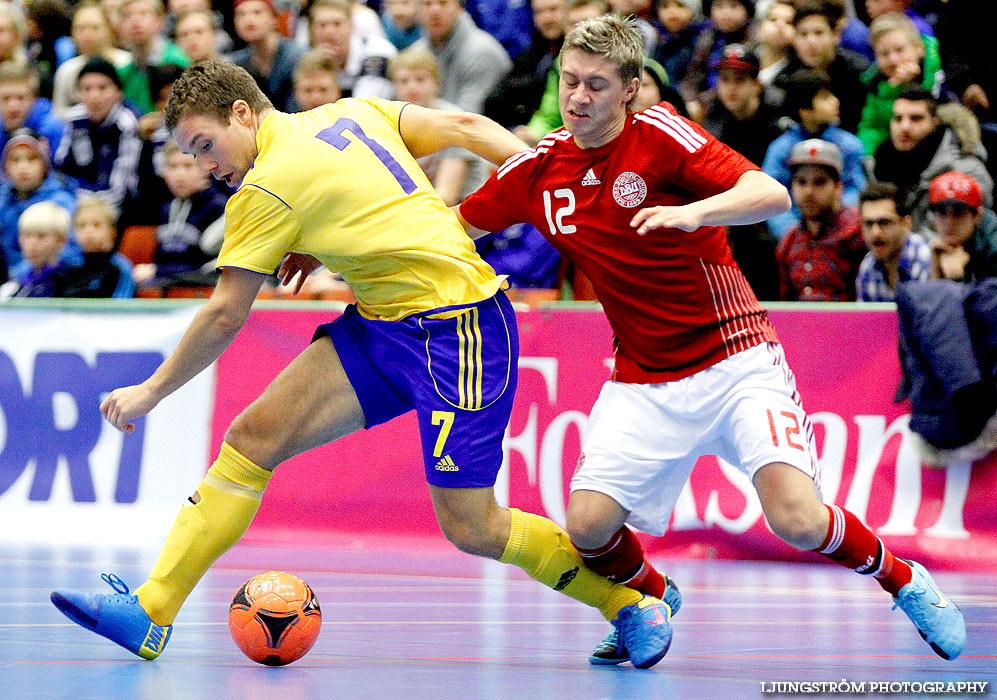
(857, 106)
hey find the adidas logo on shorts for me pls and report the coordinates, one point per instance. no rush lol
(446, 465)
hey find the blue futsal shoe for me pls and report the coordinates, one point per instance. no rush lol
(645, 630)
(937, 618)
(610, 651)
(117, 616)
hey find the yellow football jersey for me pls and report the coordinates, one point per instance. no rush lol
(338, 183)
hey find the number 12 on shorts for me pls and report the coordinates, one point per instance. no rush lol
(790, 430)
(444, 418)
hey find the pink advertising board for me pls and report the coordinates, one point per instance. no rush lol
(371, 484)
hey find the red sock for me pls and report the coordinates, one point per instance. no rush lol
(622, 560)
(852, 544)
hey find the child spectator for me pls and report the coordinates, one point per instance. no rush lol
(147, 192)
(819, 258)
(895, 253)
(13, 32)
(192, 223)
(315, 82)
(101, 147)
(104, 274)
(29, 180)
(42, 233)
(681, 22)
(737, 115)
(925, 141)
(730, 23)
(816, 45)
(454, 172)
(877, 8)
(142, 24)
(400, 24)
(655, 88)
(904, 57)
(93, 36)
(20, 105)
(812, 103)
(775, 40)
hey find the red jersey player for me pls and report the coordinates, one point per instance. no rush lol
(637, 201)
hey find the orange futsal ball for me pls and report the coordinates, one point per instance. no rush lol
(275, 618)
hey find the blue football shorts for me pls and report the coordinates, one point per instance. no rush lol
(459, 374)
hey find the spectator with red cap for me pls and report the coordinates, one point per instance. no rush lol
(963, 231)
(268, 56)
(819, 258)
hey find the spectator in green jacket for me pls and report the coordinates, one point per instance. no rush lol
(141, 28)
(904, 57)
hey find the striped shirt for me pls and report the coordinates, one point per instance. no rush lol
(915, 264)
(676, 300)
(102, 158)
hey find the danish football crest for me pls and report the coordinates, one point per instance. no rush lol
(629, 190)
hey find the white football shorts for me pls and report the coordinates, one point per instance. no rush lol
(644, 439)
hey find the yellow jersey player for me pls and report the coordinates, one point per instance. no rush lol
(431, 331)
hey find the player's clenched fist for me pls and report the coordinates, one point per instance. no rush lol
(125, 404)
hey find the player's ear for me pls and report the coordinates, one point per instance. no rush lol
(631, 89)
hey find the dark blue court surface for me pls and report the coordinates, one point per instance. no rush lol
(437, 624)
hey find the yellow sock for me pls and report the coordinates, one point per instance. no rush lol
(544, 551)
(230, 496)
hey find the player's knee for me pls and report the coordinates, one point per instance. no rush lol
(251, 436)
(796, 525)
(478, 537)
(587, 529)
(467, 539)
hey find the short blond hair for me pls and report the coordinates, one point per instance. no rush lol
(891, 22)
(99, 204)
(616, 38)
(414, 58)
(317, 61)
(44, 217)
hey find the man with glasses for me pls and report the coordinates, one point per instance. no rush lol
(895, 253)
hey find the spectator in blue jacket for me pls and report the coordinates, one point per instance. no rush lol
(21, 106)
(42, 234)
(29, 179)
(101, 147)
(810, 98)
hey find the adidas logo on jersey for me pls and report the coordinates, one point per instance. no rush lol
(446, 465)
(590, 178)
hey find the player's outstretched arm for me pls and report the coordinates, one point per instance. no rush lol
(212, 330)
(754, 197)
(427, 131)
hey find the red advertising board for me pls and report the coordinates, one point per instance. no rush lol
(371, 484)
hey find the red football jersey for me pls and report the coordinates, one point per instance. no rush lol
(676, 300)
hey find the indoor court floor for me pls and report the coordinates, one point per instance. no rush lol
(432, 623)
